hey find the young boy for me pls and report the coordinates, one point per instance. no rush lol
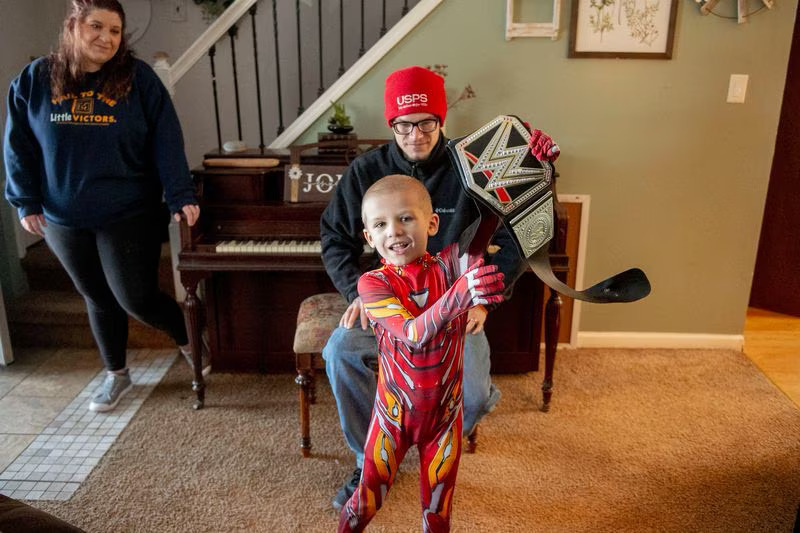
(416, 304)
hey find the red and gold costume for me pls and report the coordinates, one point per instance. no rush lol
(417, 312)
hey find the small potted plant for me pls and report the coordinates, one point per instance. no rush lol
(339, 122)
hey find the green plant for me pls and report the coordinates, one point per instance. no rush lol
(340, 118)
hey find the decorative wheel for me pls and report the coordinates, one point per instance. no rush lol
(739, 10)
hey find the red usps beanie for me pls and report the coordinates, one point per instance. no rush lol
(414, 90)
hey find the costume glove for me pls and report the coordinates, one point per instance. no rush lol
(543, 147)
(480, 285)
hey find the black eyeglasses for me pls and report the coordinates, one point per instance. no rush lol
(425, 126)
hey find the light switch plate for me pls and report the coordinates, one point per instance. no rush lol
(737, 88)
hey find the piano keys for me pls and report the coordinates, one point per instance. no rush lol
(274, 246)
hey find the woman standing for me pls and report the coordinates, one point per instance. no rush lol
(92, 141)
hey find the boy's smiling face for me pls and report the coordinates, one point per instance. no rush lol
(398, 224)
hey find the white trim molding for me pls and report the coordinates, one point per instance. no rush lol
(580, 261)
(631, 339)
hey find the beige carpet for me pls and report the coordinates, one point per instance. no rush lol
(636, 441)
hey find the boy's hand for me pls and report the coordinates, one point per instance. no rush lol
(482, 285)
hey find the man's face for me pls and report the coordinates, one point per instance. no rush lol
(417, 145)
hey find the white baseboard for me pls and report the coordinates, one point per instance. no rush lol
(629, 339)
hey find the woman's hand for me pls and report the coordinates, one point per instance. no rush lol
(191, 212)
(34, 224)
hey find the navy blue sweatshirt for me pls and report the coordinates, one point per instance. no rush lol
(341, 226)
(86, 160)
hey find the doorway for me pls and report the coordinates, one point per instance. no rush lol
(776, 285)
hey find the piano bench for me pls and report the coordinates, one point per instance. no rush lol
(317, 317)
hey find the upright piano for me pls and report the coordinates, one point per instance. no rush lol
(258, 257)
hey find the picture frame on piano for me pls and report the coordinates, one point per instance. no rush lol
(316, 182)
(310, 183)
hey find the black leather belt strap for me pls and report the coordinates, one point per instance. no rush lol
(627, 286)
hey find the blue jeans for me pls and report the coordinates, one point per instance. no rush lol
(352, 354)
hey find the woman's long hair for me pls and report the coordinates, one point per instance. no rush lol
(66, 73)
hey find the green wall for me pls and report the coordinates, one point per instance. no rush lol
(677, 176)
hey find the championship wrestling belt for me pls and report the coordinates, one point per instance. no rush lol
(498, 170)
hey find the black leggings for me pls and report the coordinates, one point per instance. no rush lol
(115, 269)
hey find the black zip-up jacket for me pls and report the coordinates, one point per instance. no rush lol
(341, 226)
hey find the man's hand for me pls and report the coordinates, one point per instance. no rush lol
(475, 319)
(191, 212)
(353, 312)
(34, 224)
(543, 147)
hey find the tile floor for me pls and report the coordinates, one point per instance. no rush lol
(49, 440)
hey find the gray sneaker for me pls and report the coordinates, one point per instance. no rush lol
(111, 391)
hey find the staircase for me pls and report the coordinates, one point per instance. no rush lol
(52, 314)
(301, 60)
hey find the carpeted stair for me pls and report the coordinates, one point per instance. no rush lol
(52, 313)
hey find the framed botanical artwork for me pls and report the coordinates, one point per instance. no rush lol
(638, 29)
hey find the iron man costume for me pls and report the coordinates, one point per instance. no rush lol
(417, 312)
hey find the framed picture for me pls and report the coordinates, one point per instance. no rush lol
(636, 29)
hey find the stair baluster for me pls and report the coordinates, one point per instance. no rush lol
(341, 38)
(300, 107)
(232, 32)
(383, 18)
(277, 65)
(258, 78)
(362, 49)
(211, 53)
(321, 88)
